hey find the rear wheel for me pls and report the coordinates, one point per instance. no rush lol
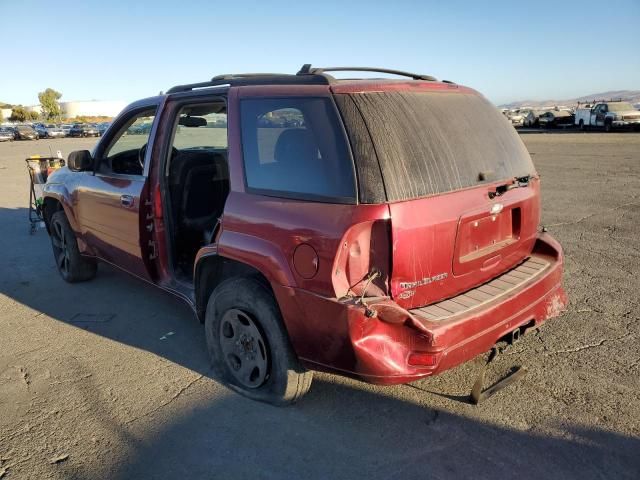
(608, 127)
(249, 346)
(72, 266)
(581, 125)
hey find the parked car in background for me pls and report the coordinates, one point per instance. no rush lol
(6, 134)
(66, 128)
(389, 259)
(102, 127)
(139, 129)
(556, 119)
(83, 130)
(531, 118)
(517, 118)
(25, 132)
(40, 129)
(608, 115)
(54, 131)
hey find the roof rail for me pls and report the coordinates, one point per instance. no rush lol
(192, 86)
(308, 70)
(306, 75)
(232, 76)
(251, 79)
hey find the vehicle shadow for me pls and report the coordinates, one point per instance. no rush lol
(345, 431)
(340, 430)
(114, 304)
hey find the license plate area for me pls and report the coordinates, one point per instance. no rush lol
(482, 239)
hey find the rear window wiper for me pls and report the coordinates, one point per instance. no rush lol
(519, 182)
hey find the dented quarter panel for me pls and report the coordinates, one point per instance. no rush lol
(334, 336)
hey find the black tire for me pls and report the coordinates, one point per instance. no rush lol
(245, 333)
(608, 127)
(73, 267)
(581, 125)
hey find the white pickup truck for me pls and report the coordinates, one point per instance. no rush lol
(607, 115)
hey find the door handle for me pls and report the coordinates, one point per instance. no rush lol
(126, 201)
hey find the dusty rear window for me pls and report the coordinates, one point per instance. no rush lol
(429, 143)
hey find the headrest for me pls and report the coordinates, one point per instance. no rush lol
(294, 146)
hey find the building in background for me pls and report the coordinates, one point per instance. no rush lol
(34, 108)
(89, 108)
(92, 108)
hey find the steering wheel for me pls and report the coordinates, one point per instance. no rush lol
(143, 150)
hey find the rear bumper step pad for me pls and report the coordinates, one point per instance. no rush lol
(500, 286)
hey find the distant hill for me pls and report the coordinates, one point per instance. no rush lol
(631, 96)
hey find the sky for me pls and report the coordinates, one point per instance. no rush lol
(126, 50)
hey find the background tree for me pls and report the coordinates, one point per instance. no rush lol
(1, 116)
(31, 115)
(49, 103)
(18, 114)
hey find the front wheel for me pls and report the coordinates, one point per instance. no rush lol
(73, 267)
(608, 127)
(248, 344)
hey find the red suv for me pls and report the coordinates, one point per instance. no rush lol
(381, 229)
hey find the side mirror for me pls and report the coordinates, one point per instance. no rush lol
(80, 161)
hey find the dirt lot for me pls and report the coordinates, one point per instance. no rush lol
(110, 379)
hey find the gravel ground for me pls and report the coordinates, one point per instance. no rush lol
(110, 379)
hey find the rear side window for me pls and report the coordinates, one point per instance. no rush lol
(296, 148)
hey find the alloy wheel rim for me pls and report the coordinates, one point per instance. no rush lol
(60, 248)
(244, 348)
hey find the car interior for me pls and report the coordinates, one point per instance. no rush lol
(197, 181)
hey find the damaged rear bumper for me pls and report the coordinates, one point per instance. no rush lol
(398, 346)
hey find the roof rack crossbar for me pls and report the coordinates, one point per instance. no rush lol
(308, 70)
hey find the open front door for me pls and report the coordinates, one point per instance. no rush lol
(112, 207)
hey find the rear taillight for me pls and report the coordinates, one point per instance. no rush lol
(363, 263)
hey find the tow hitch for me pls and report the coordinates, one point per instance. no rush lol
(477, 393)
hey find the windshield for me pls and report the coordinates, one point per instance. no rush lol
(428, 143)
(620, 107)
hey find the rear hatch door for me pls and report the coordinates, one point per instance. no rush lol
(445, 245)
(448, 163)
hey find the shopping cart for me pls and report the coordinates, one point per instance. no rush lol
(39, 170)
